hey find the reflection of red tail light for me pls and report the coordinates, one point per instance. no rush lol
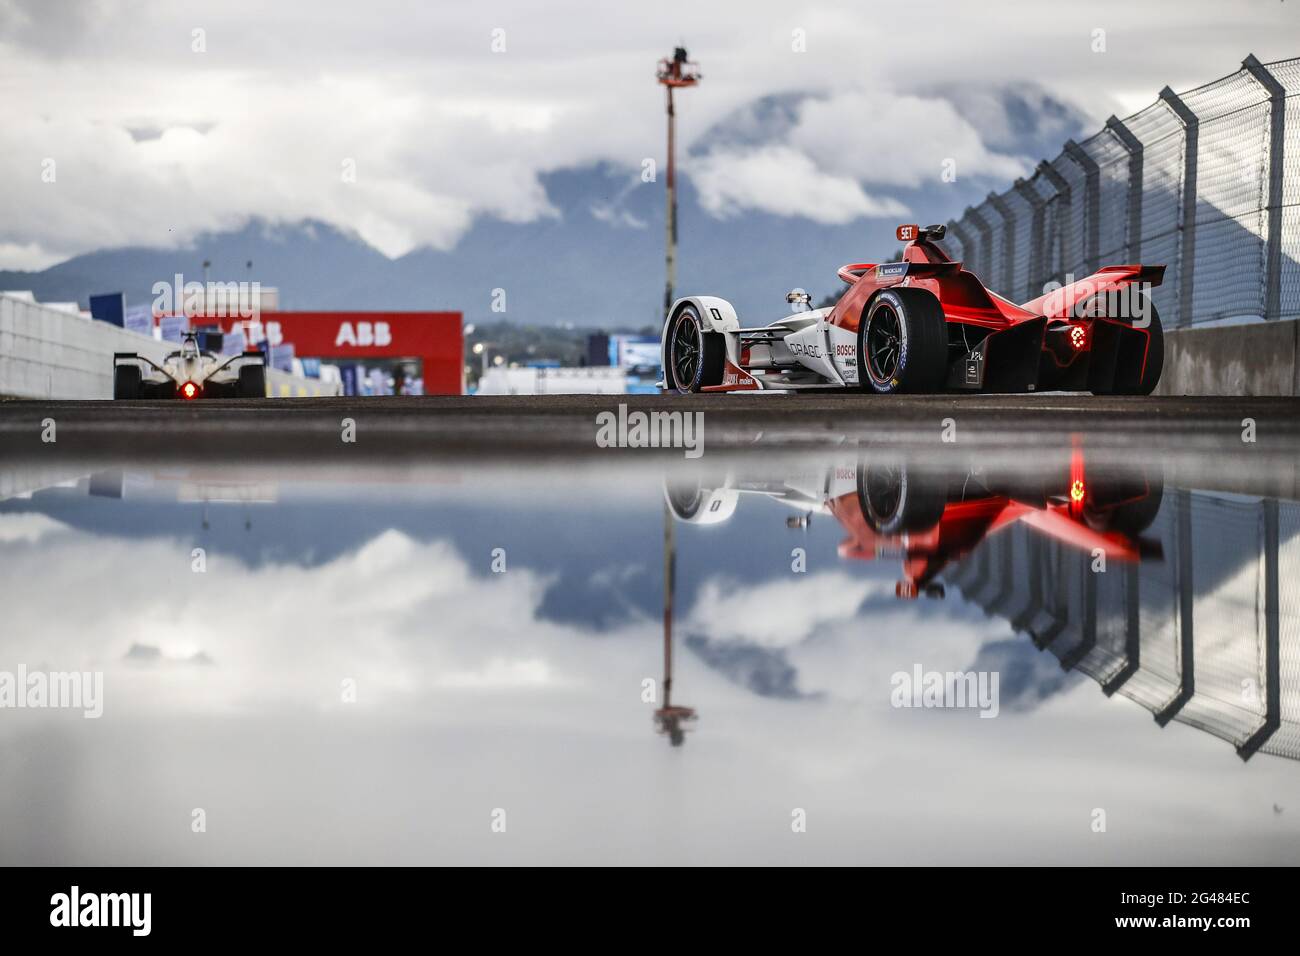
(1076, 490)
(1079, 337)
(189, 390)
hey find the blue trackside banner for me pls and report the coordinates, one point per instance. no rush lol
(110, 308)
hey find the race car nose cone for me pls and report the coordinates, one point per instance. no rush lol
(189, 390)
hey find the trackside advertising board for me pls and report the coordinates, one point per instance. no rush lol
(434, 338)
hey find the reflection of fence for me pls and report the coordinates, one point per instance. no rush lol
(1208, 635)
(1202, 182)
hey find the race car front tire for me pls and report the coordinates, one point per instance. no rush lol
(695, 357)
(903, 343)
(126, 381)
(897, 500)
(252, 381)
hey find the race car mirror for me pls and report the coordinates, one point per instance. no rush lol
(799, 299)
(907, 233)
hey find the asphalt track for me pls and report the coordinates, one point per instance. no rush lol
(566, 425)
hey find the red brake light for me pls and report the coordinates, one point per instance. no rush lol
(1078, 337)
(189, 390)
(1077, 490)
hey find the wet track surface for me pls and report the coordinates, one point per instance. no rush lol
(434, 427)
(359, 652)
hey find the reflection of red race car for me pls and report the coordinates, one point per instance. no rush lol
(926, 324)
(930, 517)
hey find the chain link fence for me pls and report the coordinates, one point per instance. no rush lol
(1204, 182)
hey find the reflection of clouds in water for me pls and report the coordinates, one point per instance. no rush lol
(830, 634)
(396, 615)
(1027, 676)
(27, 528)
(469, 699)
(500, 673)
(779, 612)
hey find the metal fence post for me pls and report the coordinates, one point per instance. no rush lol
(1276, 147)
(1008, 242)
(1092, 202)
(1185, 595)
(956, 228)
(1036, 204)
(1187, 253)
(1063, 196)
(1272, 636)
(1133, 244)
(984, 261)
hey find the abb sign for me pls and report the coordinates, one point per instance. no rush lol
(432, 337)
(365, 333)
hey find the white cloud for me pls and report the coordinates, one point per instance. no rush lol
(613, 216)
(26, 256)
(833, 158)
(897, 140)
(785, 182)
(501, 674)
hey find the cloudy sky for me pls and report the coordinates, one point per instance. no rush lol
(165, 120)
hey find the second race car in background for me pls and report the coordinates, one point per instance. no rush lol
(190, 373)
(926, 324)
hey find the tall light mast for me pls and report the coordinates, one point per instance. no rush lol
(675, 72)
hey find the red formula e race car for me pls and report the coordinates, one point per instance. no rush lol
(926, 324)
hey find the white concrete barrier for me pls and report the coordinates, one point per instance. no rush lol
(51, 353)
(593, 380)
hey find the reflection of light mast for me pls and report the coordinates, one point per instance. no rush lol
(669, 718)
(673, 73)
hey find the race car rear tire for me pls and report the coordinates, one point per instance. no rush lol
(1155, 358)
(695, 357)
(126, 381)
(252, 381)
(1131, 518)
(903, 343)
(1140, 496)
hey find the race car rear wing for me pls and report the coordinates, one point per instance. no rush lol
(1066, 300)
(889, 272)
(119, 357)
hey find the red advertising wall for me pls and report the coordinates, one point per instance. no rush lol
(432, 337)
